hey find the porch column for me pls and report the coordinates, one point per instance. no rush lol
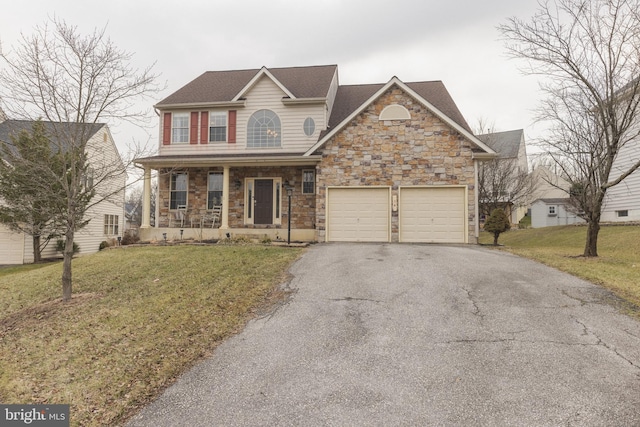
(146, 198)
(224, 223)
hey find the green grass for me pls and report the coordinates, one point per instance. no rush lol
(138, 318)
(617, 268)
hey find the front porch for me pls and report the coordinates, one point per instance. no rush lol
(253, 202)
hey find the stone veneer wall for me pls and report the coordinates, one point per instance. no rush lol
(421, 151)
(302, 205)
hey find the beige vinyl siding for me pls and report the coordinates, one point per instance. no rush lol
(265, 94)
(11, 246)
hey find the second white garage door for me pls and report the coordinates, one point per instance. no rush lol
(432, 215)
(358, 214)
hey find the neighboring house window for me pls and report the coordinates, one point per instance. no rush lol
(263, 130)
(309, 126)
(622, 213)
(180, 127)
(214, 194)
(217, 127)
(308, 181)
(552, 210)
(111, 225)
(178, 190)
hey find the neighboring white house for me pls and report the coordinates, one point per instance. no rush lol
(622, 201)
(512, 155)
(106, 217)
(550, 212)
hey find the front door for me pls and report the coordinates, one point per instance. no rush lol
(263, 201)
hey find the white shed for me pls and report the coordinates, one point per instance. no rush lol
(550, 212)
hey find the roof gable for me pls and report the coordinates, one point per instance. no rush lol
(506, 144)
(12, 128)
(229, 86)
(353, 100)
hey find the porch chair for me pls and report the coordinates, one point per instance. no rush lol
(213, 216)
(178, 217)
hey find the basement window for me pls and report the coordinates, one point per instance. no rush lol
(623, 213)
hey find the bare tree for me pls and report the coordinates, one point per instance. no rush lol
(75, 82)
(589, 52)
(504, 182)
(135, 199)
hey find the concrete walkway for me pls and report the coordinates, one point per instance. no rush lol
(389, 334)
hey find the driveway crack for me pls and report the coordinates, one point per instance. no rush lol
(602, 343)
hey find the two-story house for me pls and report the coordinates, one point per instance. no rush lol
(105, 215)
(381, 162)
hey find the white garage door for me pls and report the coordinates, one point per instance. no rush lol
(358, 214)
(432, 215)
(11, 246)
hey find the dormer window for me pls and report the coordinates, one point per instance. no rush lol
(263, 130)
(217, 126)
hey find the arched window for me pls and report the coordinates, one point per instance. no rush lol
(263, 130)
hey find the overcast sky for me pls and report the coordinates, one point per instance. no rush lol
(455, 41)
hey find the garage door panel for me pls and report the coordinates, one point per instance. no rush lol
(358, 215)
(432, 215)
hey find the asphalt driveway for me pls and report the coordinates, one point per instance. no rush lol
(395, 334)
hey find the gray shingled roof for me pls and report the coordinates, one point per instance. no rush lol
(350, 97)
(13, 128)
(506, 144)
(306, 82)
(223, 86)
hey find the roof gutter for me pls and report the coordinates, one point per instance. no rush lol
(190, 105)
(181, 162)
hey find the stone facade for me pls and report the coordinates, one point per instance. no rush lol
(303, 206)
(421, 151)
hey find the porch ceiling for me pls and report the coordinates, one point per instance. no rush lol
(267, 159)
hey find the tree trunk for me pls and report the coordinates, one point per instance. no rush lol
(37, 254)
(591, 246)
(66, 266)
(495, 239)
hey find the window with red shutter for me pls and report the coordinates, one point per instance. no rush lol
(166, 129)
(232, 127)
(193, 137)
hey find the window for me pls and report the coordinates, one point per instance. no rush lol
(263, 130)
(111, 225)
(178, 191)
(309, 126)
(622, 213)
(217, 127)
(180, 127)
(214, 194)
(308, 181)
(552, 210)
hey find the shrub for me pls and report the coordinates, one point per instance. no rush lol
(60, 245)
(130, 237)
(103, 245)
(497, 223)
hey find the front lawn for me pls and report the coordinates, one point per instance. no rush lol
(139, 317)
(617, 267)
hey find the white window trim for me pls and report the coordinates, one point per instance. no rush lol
(188, 128)
(209, 188)
(249, 183)
(112, 224)
(180, 207)
(314, 181)
(226, 129)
